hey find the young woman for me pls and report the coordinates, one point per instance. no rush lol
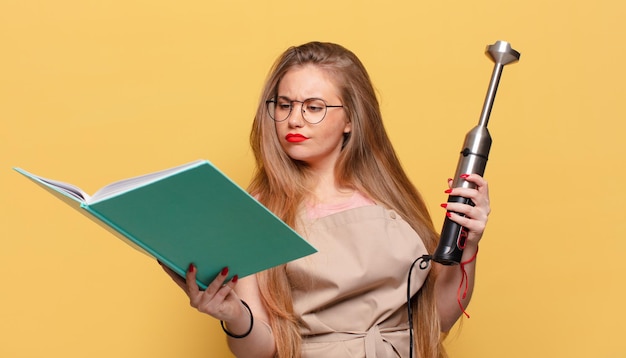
(325, 165)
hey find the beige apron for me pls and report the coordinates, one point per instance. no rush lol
(351, 295)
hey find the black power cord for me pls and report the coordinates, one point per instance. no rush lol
(424, 262)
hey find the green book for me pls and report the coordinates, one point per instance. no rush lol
(192, 213)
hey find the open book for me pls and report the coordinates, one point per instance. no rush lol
(188, 214)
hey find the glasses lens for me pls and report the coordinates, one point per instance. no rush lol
(275, 111)
(314, 110)
(281, 109)
(271, 106)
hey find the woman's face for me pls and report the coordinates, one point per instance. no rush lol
(317, 144)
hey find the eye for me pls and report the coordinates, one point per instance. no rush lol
(315, 105)
(283, 104)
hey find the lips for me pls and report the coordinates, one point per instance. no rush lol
(295, 138)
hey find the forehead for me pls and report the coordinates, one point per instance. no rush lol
(308, 81)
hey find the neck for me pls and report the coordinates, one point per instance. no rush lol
(326, 189)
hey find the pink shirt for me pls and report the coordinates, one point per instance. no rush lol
(357, 200)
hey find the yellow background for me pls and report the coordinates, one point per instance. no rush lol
(95, 91)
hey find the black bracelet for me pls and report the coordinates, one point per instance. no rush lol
(249, 329)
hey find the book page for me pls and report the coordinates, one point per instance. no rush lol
(125, 185)
(68, 188)
(65, 188)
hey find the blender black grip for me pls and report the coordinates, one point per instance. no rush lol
(473, 158)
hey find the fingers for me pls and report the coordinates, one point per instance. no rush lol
(218, 300)
(479, 182)
(473, 217)
(478, 195)
(476, 225)
(212, 300)
(194, 291)
(192, 285)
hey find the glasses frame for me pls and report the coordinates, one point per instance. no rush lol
(291, 102)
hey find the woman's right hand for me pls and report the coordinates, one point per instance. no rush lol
(219, 300)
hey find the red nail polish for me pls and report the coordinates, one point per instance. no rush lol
(464, 176)
(448, 191)
(224, 271)
(235, 279)
(192, 268)
(444, 205)
(448, 214)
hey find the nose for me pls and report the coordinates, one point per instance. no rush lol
(296, 117)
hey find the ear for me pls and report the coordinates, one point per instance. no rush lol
(348, 127)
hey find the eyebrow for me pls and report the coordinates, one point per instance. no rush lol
(289, 99)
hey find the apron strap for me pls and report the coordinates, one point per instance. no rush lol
(374, 340)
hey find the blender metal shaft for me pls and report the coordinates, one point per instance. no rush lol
(502, 54)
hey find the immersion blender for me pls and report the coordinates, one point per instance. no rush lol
(473, 158)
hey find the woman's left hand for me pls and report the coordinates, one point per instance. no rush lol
(474, 218)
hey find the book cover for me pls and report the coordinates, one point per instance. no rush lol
(189, 214)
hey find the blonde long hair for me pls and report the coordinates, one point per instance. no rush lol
(367, 163)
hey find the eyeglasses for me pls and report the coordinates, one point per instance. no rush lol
(313, 109)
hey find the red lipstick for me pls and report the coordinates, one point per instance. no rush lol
(295, 138)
